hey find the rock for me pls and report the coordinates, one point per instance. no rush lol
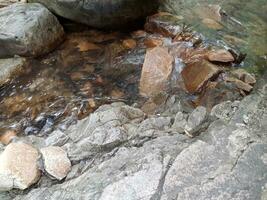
(28, 30)
(244, 76)
(216, 93)
(4, 3)
(164, 24)
(152, 42)
(56, 162)
(225, 110)
(180, 122)
(139, 34)
(240, 84)
(220, 56)
(102, 14)
(196, 118)
(197, 74)
(129, 43)
(7, 137)
(11, 67)
(18, 167)
(210, 23)
(156, 71)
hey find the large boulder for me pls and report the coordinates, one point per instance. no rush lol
(28, 30)
(102, 13)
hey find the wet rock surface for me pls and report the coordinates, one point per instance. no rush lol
(197, 132)
(28, 30)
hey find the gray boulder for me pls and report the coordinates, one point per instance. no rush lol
(28, 30)
(102, 13)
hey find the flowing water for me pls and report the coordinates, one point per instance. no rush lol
(92, 68)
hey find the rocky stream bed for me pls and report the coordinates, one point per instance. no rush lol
(132, 100)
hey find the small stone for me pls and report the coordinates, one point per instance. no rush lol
(139, 34)
(7, 137)
(196, 118)
(18, 167)
(221, 55)
(197, 74)
(129, 43)
(156, 71)
(56, 162)
(152, 42)
(180, 121)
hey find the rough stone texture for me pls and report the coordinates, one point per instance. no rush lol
(56, 162)
(10, 67)
(144, 159)
(195, 75)
(102, 13)
(28, 30)
(4, 3)
(156, 71)
(7, 137)
(196, 118)
(18, 167)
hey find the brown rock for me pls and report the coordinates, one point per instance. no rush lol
(243, 75)
(156, 71)
(152, 42)
(56, 162)
(18, 167)
(164, 23)
(197, 74)
(221, 55)
(129, 43)
(139, 34)
(7, 137)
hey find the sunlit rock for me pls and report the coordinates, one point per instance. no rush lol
(243, 75)
(28, 30)
(56, 162)
(156, 71)
(18, 167)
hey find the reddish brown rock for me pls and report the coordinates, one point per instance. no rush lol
(139, 34)
(7, 137)
(18, 167)
(156, 71)
(129, 43)
(196, 75)
(163, 23)
(152, 42)
(221, 55)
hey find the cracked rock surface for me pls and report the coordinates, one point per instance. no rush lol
(119, 153)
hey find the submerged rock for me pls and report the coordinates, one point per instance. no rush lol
(102, 14)
(18, 167)
(28, 30)
(156, 71)
(10, 67)
(56, 162)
